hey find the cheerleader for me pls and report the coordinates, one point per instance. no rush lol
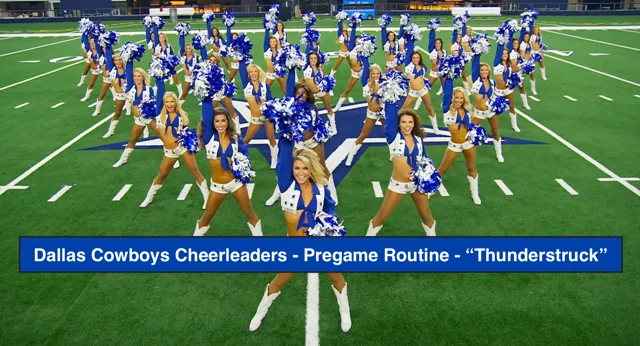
(537, 48)
(118, 75)
(235, 64)
(356, 71)
(140, 90)
(217, 45)
(85, 46)
(107, 80)
(171, 120)
(313, 75)
(270, 56)
(437, 53)
(217, 135)
(525, 54)
(96, 68)
(456, 44)
(226, 100)
(483, 90)
(375, 109)
(404, 136)
(502, 70)
(420, 87)
(280, 35)
(189, 61)
(391, 48)
(302, 182)
(343, 49)
(164, 48)
(256, 92)
(457, 117)
(516, 59)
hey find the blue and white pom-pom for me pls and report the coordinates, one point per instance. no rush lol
(157, 22)
(513, 25)
(355, 20)
(84, 26)
(405, 19)
(269, 22)
(434, 24)
(183, 28)
(400, 58)
(543, 47)
(148, 108)
(426, 177)
(240, 49)
(322, 131)
(326, 225)
(208, 80)
(451, 66)
(290, 117)
(229, 89)
(498, 104)
(188, 139)
(132, 51)
(393, 86)
(309, 18)
(385, 20)
(342, 15)
(412, 32)
(527, 66)
(365, 47)
(241, 168)
(97, 29)
(163, 67)
(110, 38)
(147, 21)
(476, 135)
(480, 44)
(513, 81)
(536, 57)
(309, 37)
(502, 34)
(228, 19)
(274, 10)
(324, 58)
(208, 16)
(289, 57)
(199, 40)
(327, 84)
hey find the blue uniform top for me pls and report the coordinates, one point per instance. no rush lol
(396, 139)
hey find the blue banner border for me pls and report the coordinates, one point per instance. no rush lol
(321, 272)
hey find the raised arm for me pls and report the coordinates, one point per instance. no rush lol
(284, 167)
(207, 120)
(391, 121)
(329, 203)
(432, 40)
(267, 35)
(159, 95)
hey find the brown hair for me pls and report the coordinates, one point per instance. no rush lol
(231, 126)
(311, 98)
(417, 131)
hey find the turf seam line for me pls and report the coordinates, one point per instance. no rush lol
(596, 41)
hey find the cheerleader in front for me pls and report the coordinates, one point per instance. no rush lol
(306, 201)
(228, 158)
(375, 109)
(170, 122)
(413, 172)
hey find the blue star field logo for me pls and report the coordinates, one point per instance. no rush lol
(349, 120)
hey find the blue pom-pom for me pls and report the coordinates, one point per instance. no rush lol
(451, 67)
(148, 108)
(158, 22)
(84, 26)
(183, 28)
(289, 57)
(228, 19)
(147, 21)
(426, 177)
(229, 89)
(393, 87)
(241, 168)
(199, 40)
(405, 19)
(322, 131)
(513, 81)
(385, 20)
(208, 16)
(309, 18)
(342, 15)
(208, 80)
(290, 117)
(365, 47)
(309, 37)
(188, 139)
(326, 225)
(498, 104)
(240, 48)
(132, 51)
(434, 24)
(327, 84)
(355, 20)
(476, 135)
(528, 66)
(536, 57)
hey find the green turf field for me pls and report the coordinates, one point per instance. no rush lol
(579, 142)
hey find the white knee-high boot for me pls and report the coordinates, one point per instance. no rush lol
(150, 195)
(179, 90)
(514, 122)
(498, 146)
(373, 231)
(352, 153)
(256, 230)
(340, 102)
(87, 94)
(434, 124)
(82, 79)
(274, 155)
(127, 107)
(200, 231)
(533, 87)
(263, 308)
(113, 93)
(525, 101)
(430, 231)
(205, 192)
(473, 185)
(543, 73)
(343, 304)
(274, 197)
(145, 132)
(112, 129)
(123, 158)
(98, 107)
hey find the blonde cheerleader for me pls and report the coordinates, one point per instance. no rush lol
(375, 109)
(171, 120)
(343, 48)
(164, 48)
(483, 90)
(537, 48)
(189, 61)
(257, 92)
(270, 55)
(118, 75)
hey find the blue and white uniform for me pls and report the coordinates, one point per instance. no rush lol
(121, 80)
(487, 93)
(263, 94)
(418, 72)
(316, 77)
(174, 126)
(366, 93)
(215, 151)
(459, 120)
(189, 65)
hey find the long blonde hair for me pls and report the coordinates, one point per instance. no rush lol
(262, 76)
(311, 160)
(145, 75)
(484, 64)
(372, 83)
(466, 105)
(163, 113)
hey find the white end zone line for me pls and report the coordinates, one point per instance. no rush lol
(589, 159)
(37, 47)
(50, 157)
(312, 327)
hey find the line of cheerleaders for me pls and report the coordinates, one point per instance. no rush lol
(304, 183)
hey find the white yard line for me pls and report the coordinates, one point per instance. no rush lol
(606, 98)
(592, 70)
(57, 105)
(504, 187)
(534, 98)
(50, 157)
(37, 47)
(122, 192)
(581, 153)
(59, 194)
(567, 187)
(21, 105)
(570, 98)
(312, 327)
(377, 189)
(596, 41)
(184, 192)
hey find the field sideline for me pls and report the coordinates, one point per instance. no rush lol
(571, 171)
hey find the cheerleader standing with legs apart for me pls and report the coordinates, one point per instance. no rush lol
(84, 27)
(413, 172)
(305, 198)
(506, 79)
(354, 62)
(107, 41)
(343, 41)
(420, 86)
(391, 47)
(270, 56)
(96, 68)
(189, 60)
(118, 75)
(171, 121)
(538, 49)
